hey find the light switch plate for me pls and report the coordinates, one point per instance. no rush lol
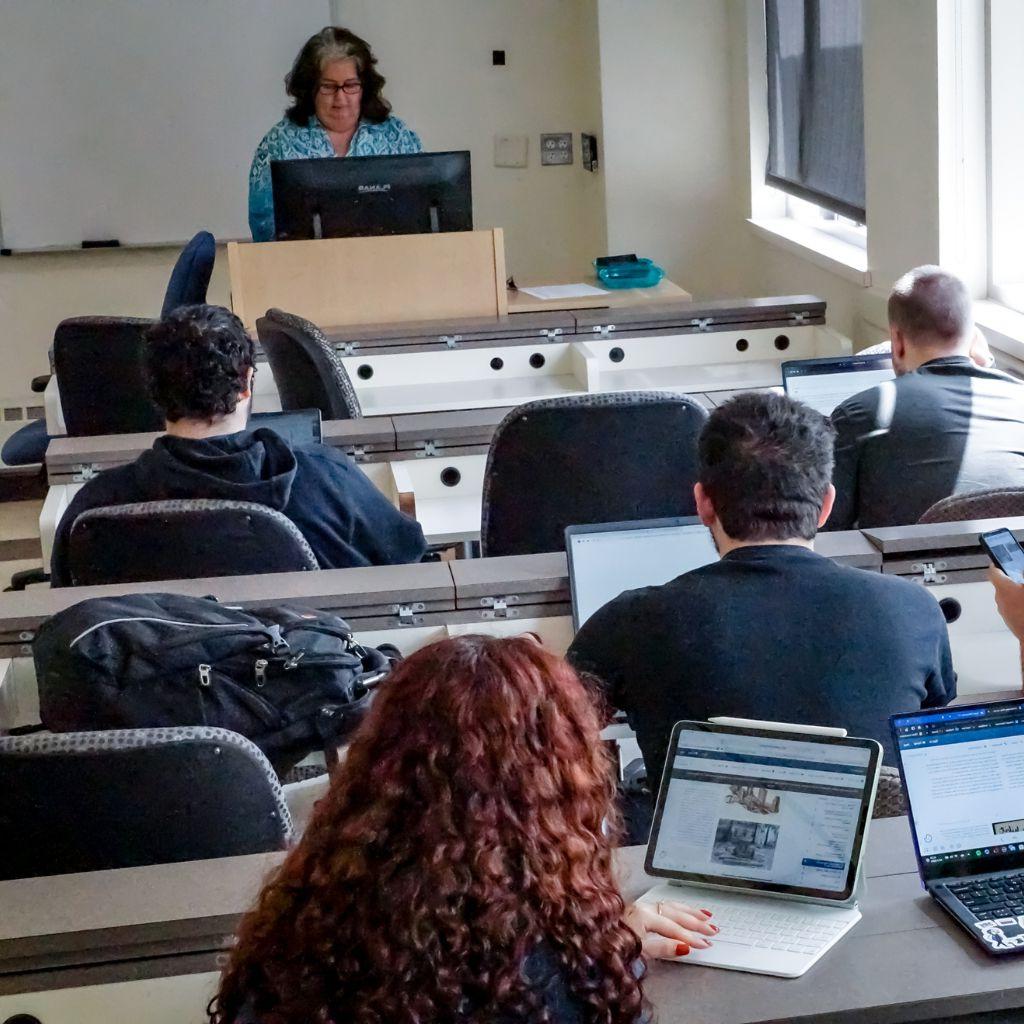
(510, 150)
(556, 148)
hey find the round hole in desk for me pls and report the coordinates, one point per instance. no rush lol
(951, 609)
(450, 476)
(616, 355)
(497, 363)
(365, 371)
(742, 345)
(782, 342)
(537, 360)
(23, 1018)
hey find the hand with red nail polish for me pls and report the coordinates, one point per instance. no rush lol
(668, 929)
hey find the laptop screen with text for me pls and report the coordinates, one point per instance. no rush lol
(963, 769)
(824, 384)
(608, 559)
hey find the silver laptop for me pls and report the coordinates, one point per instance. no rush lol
(607, 559)
(824, 384)
(765, 827)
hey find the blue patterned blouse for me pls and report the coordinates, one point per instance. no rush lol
(289, 141)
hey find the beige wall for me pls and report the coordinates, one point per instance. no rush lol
(437, 61)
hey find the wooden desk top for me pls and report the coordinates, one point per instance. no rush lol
(664, 291)
(905, 961)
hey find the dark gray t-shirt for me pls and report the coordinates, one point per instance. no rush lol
(774, 632)
(947, 428)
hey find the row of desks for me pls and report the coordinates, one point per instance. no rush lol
(141, 944)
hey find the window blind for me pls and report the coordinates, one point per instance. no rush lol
(816, 102)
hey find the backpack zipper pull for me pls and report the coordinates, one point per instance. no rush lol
(260, 669)
(205, 672)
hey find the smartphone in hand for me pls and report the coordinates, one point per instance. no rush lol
(1006, 552)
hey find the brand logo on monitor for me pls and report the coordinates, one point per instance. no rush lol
(374, 188)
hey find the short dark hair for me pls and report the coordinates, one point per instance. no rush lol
(930, 304)
(196, 362)
(334, 44)
(765, 461)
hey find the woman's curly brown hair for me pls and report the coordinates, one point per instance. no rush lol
(471, 824)
(334, 44)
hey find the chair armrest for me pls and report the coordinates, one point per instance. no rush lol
(39, 383)
(20, 580)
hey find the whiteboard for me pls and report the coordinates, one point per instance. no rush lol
(138, 119)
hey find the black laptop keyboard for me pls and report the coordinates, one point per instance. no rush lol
(991, 897)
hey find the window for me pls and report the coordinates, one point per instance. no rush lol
(820, 219)
(816, 103)
(1006, 153)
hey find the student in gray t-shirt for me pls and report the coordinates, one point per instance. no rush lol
(946, 425)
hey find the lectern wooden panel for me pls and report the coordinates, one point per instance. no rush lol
(343, 281)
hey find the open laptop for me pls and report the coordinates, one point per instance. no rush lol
(299, 427)
(963, 775)
(607, 559)
(765, 827)
(826, 383)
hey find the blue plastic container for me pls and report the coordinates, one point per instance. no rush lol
(642, 273)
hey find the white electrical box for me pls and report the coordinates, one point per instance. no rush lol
(510, 150)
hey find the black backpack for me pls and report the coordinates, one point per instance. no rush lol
(291, 679)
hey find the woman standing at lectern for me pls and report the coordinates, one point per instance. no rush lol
(338, 110)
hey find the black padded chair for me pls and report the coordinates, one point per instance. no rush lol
(306, 370)
(183, 539)
(604, 458)
(98, 360)
(87, 801)
(889, 799)
(188, 284)
(994, 503)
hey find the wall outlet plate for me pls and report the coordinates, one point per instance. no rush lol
(556, 148)
(511, 150)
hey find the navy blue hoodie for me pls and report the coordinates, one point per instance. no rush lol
(345, 519)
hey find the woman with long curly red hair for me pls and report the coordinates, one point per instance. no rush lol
(460, 867)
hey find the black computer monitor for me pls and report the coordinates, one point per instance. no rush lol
(372, 195)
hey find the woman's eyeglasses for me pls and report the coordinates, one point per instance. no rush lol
(349, 88)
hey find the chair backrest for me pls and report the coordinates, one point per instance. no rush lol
(98, 361)
(190, 277)
(994, 503)
(183, 539)
(87, 801)
(889, 800)
(587, 459)
(306, 370)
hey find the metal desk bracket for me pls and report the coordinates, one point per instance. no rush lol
(498, 607)
(450, 340)
(800, 318)
(702, 324)
(407, 613)
(551, 333)
(84, 472)
(604, 329)
(359, 453)
(930, 571)
(347, 348)
(429, 450)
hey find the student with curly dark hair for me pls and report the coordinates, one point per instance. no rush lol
(460, 867)
(200, 363)
(338, 109)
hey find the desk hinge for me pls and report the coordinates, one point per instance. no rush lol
(407, 613)
(800, 318)
(604, 329)
(702, 324)
(931, 572)
(550, 333)
(451, 340)
(498, 607)
(85, 471)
